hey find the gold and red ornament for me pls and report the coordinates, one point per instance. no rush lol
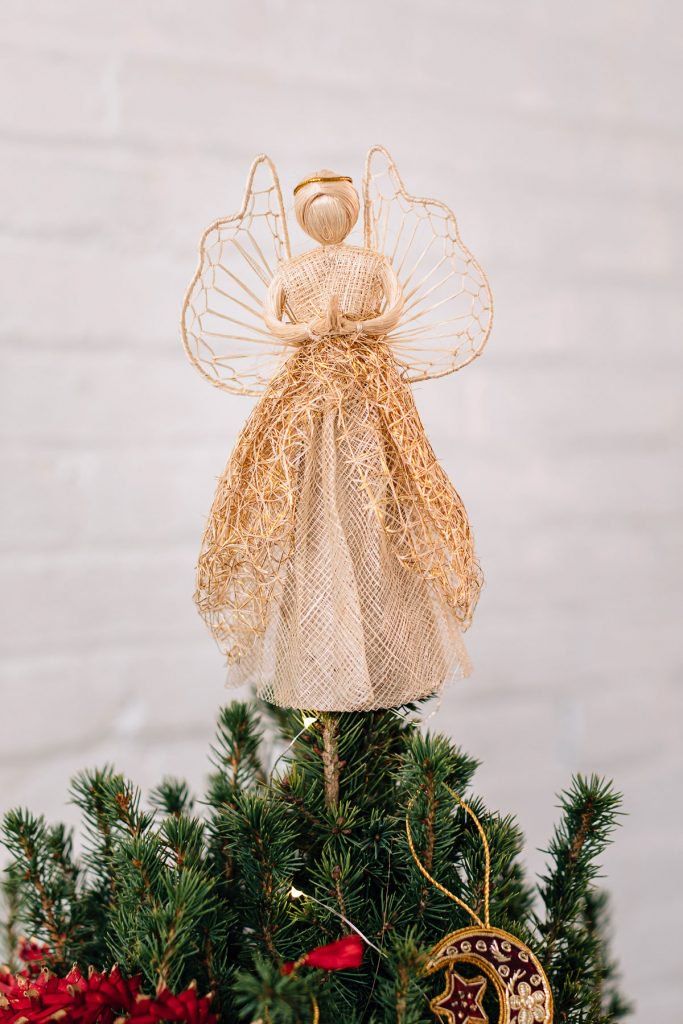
(461, 999)
(514, 971)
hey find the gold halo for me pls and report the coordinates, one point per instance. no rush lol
(332, 177)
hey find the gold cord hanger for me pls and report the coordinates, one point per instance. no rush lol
(487, 862)
(512, 967)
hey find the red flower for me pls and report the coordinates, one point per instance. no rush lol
(101, 998)
(187, 1007)
(336, 956)
(32, 950)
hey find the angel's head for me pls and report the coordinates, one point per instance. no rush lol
(326, 206)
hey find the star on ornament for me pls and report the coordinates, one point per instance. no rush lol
(460, 1002)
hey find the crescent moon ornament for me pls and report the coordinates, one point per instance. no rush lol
(512, 969)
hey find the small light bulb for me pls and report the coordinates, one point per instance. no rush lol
(309, 720)
(295, 893)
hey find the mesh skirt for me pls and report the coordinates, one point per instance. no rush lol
(337, 570)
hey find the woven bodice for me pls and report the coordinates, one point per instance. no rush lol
(349, 272)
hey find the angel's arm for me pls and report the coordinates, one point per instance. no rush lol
(274, 307)
(380, 326)
(296, 334)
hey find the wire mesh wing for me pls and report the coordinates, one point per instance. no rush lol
(448, 309)
(222, 323)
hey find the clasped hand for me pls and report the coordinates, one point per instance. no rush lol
(333, 323)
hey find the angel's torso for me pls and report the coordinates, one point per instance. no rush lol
(352, 274)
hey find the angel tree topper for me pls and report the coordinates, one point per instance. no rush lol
(337, 570)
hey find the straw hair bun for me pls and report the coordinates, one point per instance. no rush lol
(327, 210)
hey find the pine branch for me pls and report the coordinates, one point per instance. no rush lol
(261, 838)
(172, 796)
(235, 754)
(440, 829)
(174, 932)
(572, 948)
(111, 809)
(400, 994)
(330, 756)
(45, 887)
(266, 995)
(608, 1005)
(10, 889)
(182, 838)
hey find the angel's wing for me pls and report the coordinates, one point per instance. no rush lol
(448, 309)
(222, 320)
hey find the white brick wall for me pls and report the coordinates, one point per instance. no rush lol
(554, 131)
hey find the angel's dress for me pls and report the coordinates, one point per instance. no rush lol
(337, 570)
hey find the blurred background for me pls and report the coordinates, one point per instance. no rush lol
(554, 132)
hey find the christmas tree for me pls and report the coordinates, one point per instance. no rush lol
(190, 910)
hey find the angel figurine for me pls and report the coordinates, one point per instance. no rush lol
(337, 570)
